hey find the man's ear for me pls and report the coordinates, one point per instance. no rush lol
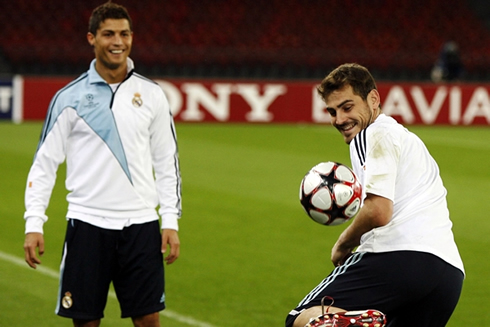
(374, 98)
(91, 38)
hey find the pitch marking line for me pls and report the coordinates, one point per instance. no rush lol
(52, 273)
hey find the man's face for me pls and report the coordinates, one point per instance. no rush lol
(112, 43)
(349, 112)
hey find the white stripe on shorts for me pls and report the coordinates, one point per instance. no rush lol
(355, 258)
(62, 270)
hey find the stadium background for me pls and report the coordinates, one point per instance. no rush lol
(396, 40)
(248, 251)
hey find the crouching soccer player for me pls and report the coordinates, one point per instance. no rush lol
(406, 265)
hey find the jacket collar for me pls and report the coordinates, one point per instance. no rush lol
(94, 77)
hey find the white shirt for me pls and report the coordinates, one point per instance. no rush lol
(121, 154)
(394, 163)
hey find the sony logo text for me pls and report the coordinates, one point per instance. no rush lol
(261, 102)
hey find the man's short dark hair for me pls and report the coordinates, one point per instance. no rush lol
(352, 74)
(108, 10)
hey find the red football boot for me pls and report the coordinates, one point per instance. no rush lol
(365, 318)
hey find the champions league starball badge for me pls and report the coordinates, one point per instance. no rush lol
(137, 102)
(67, 301)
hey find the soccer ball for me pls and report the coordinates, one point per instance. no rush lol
(330, 193)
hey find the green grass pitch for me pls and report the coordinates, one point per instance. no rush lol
(249, 253)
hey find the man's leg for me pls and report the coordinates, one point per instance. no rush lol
(139, 283)
(311, 313)
(150, 320)
(333, 288)
(436, 307)
(85, 273)
(86, 323)
(394, 283)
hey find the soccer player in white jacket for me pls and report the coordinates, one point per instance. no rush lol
(114, 129)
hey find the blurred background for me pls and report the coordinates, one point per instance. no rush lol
(266, 39)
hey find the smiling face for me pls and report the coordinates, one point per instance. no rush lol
(112, 45)
(349, 113)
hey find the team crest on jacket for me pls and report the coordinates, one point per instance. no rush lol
(137, 102)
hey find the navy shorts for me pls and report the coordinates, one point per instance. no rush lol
(404, 285)
(94, 257)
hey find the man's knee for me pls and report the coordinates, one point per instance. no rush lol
(86, 323)
(150, 320)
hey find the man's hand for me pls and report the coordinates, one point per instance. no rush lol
(376, 212)
(32, 242)
(342, 249)
(340, 254)
(170, 238)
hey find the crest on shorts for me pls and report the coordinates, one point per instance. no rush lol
(137, 101)
(67, 301)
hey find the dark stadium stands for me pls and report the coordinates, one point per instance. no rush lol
(252, 38)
